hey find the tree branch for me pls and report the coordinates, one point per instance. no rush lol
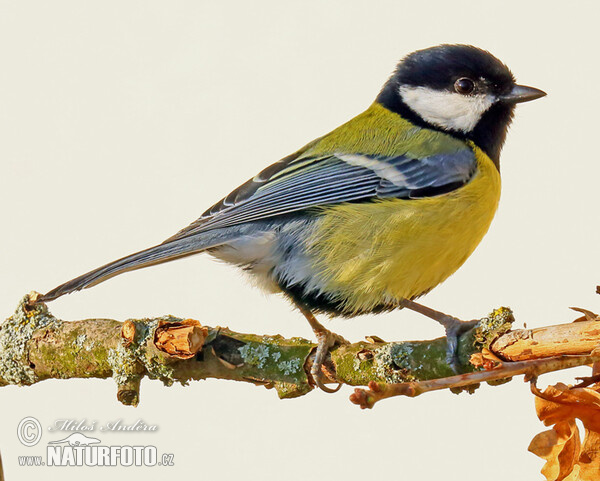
(34, 346)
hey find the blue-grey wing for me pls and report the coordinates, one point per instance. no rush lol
(295, 184)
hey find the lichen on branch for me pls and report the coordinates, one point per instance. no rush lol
(34, 346)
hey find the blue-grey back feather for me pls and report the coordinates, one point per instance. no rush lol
(296, 184)
(333, 180)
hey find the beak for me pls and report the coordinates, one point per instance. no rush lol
(521, 93)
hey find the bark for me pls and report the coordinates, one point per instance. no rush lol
(34, 346)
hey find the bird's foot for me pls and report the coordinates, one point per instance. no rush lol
(454, 328)
(325, 341)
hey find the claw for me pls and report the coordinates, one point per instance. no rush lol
(326, 340)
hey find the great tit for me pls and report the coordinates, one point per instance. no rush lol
(375, 213)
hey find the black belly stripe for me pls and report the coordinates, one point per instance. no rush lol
(320, 303)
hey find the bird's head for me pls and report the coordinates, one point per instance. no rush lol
(458, 89)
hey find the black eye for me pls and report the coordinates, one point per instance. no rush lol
(464, 85)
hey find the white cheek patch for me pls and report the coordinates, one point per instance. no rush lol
(448, 110)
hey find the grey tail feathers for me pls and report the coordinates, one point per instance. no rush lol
(165, 252)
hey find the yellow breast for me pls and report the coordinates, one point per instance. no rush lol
(382, 252)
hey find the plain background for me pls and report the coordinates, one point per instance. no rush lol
(121, 122)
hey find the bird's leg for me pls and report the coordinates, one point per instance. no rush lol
(325, 340)
(454, 328)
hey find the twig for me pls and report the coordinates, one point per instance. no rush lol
(532, 369)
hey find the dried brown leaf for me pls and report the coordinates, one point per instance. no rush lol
(559, 403)
(560, 447)
(566, 459)
(485, 359)
(589, 460)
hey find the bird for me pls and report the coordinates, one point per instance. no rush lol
(377, 212)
